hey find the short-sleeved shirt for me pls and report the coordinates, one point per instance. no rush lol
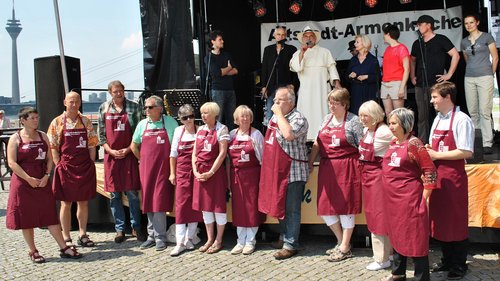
(478, 64)
(353, 127)
(383, 138)
(463, 128)
(177, 138)
(435, 53)
(257, 141)
(54, 132)
(392, 67)
(217, 62)
(296, 148)
(222, 131)
(133, 112)
(170, 125)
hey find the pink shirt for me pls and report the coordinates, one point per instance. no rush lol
(393, 63)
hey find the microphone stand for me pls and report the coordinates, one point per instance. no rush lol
(425, 83)
(208, 74)
(272, 70)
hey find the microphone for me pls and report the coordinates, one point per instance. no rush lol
(281, 41)
(419, 34)
(309, 43)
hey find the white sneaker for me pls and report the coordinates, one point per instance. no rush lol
(238, 249)
(248, 249)
(377, 266)
(177, 250)
(189, 245)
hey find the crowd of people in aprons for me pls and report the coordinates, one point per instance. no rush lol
(409, 190)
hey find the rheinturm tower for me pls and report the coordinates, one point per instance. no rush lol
(14, 28)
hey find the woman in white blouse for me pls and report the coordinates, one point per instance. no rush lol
(372, 147)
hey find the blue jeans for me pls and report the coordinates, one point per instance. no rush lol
(119, 213)
(226, 100)
(290, 225)
(269, 104)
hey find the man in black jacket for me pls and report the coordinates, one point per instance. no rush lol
(272, 77)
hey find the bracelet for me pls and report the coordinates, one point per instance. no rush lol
(47, 174)
(213, 173)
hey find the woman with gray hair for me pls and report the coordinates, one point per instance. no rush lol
(408, 175)
(372, 147)
(181, 176)
(245, 155)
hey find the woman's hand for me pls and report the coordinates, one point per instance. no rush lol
(352, 75)
(33, 182)
(172, 179)
(44, 180)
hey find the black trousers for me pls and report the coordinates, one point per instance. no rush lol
(421, 266)
(455, 254)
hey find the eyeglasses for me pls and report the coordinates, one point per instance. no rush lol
(184, 118)
(150, 107)
(472, 49)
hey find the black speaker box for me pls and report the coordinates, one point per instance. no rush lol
(49, 86)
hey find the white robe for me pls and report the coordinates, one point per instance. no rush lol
(314, 71)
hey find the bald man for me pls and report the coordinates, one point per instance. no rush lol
(72, 141)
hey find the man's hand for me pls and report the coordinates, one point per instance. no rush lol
(277, 110)
(444, 77)
(263, 91)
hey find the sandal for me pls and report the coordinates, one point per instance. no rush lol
(69, 242)
(73, 254)
(205, 247)
(85, 241)
(214, 249)
(36, 257)
(339, 256)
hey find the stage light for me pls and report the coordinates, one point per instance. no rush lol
(259, 9)
(371, 3)
(295, 6)
(330, 5)
(404, 1)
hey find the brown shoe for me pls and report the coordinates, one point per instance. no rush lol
(139, 235)
(278, 244)
(120, 237)
(284, 254)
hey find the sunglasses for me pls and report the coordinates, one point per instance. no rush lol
(149, 107)
(184, 118)
(473, 52)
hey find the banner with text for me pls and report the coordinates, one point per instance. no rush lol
(336, 34)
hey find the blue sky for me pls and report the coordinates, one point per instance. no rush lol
(104, 34)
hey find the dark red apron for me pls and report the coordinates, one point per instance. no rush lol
(449, 223)
(119, 174)
(245, 176)
(371, 183)
(74, 175)
(184, 212)
(154, 169)
(209, 196)
(274, 175)
(339, 186)
(29, 207)
(405, 207)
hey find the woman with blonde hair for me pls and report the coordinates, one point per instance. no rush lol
(363, 73)
(372, 148)
(245, 154)
(210, 185)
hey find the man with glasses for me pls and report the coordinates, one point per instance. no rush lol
(428, 60)
(317, 72)
(284, 171)
(116, 124)
(151, 146)
(275, 68)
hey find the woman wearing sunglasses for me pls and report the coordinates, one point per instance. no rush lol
(181, 176)
(477, 49)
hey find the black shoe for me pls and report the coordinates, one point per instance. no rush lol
(120, 237)
(456, 273)
(487, 150)
(139, 235)
(438, 267)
